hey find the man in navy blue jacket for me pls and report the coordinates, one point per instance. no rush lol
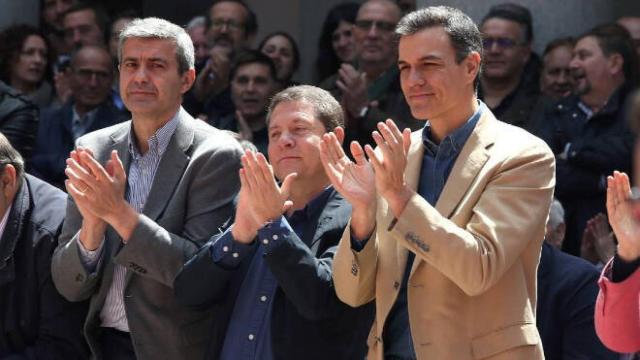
(89, 110)
(270, 273)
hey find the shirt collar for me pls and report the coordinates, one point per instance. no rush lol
(457, 138)
(316, 204)
(159, 141)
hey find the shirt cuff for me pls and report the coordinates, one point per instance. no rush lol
(227, 252)
(621, 270)
(273, 232)
(90, 258)
(358, 244)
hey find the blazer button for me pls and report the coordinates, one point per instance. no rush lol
(79, 278)
(396, 285)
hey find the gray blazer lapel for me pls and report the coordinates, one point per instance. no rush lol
(171, 167)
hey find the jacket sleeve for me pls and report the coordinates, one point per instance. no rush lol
(60, 322)
(304, 278)
(618, 312)
(203, 281)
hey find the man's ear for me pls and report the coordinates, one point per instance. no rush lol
(616, 64)
(188, 78)
(339, 131)
(9, 181)
(472, 66)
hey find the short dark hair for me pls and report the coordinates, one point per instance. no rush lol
(292, 41)
(252, 57)
(102, 19)
(513, 12)
(463, 32)
(560, 42)
(9, 155)
(250, 24)
(615, 39)
(326, 107)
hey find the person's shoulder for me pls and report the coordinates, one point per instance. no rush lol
(49, 204)
(11, 101)
(105, 135)
(210, 139)
(514, 138)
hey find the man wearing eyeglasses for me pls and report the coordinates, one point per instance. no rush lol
(231, 27)
(90, 108)
(509, 78)
(369, 90)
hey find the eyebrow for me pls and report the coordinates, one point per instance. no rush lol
(424, 58)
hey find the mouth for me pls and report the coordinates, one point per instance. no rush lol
(420, 96)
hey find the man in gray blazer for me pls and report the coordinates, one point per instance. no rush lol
(146, 194)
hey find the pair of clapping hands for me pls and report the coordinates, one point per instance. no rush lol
(374, 171)
(98, 193)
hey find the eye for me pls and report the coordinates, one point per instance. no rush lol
(274, 135)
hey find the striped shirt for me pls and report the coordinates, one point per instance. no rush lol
(142, 170)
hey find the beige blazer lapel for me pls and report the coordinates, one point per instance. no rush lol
(471, 159)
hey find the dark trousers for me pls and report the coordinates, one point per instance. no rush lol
(116, 345)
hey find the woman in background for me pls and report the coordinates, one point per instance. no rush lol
(336, 44)
(282, 49)
(25, 57)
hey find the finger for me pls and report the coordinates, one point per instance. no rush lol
(96, 169)
(389, 137)
(287, 205)
(406, 140)
(79, 175)
(610, 202)
(329, 166)
(252, 170)
(118, 167)
(266, 171)
(374, 159)
(358, 153)
(73, 191)
(286, 184)
(622, 187)
(394, 129)
(383, 147)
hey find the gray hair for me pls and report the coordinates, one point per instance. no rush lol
(326, 107)
(196, 22)
(10, 156)
(155, 28)
(556, 214)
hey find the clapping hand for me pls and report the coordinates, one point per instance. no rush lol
(621, 212)
(261, 199)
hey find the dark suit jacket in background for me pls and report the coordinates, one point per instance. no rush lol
(567, 290)
(191, 197)
(35, 320)
(55, 139)
(308, 320)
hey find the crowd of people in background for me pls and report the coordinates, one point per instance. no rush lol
(76, 76)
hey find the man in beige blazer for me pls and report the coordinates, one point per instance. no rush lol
(447, 222)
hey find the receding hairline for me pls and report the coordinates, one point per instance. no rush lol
(388, 3)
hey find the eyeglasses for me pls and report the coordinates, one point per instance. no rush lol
(231, 24)
(503, 43)
(87, 74)
(380, 25)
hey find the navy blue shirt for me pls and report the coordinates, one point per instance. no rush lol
(437, 162)
(249, 333)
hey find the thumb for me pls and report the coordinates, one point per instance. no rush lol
(286, 184)
(117, 167)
